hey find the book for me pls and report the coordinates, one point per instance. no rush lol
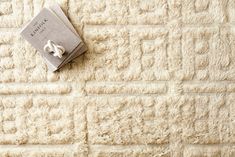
(54, 37)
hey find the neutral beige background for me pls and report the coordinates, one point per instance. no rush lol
(158, 80)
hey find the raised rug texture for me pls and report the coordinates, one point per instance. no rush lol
(158, 81)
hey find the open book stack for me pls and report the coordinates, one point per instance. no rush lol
(51, 33)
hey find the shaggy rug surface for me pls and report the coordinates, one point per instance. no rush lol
(158, 80)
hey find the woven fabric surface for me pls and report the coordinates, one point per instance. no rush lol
(158, 80)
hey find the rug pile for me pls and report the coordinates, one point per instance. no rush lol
(158, 80)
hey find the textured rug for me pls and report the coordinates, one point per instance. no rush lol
(158, 80)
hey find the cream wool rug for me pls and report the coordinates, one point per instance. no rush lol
(158, 81)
